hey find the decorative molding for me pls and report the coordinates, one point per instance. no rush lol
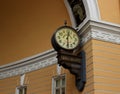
(100, 30)
(29, 64)
(106, 36)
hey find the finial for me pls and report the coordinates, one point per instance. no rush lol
(65, 22)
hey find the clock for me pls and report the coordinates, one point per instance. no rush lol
(65, 38)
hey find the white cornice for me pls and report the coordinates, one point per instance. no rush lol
(28, 64)
(100, 30)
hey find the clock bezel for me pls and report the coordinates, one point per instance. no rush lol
(56, 45)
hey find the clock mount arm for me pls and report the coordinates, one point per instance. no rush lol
(76, 65)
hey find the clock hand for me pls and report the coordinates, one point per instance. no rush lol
(68, 39)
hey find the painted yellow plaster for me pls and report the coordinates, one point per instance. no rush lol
(27, 26)
(110, 10)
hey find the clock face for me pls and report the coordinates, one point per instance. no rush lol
(67, 38)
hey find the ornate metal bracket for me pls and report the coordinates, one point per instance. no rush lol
(76, 65)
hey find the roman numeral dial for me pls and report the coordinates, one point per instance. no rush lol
(67, 38)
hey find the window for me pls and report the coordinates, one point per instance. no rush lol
(21, 90)
(59, 84)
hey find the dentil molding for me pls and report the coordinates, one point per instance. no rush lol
(98, 30)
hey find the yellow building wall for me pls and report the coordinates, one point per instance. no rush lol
(27, 26)
(8, 85)
(106, 59)
(110, 10)
(40, 81)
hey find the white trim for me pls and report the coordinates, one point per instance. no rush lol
(22, 78)
(16, 90)
(92, 9)
(28, 64)
(58, 69)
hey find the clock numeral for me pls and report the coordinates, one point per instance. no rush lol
(63, 31)
(58, 37)
(76, 39)
(71, 45)
(60, 41)
(60, 33)
(67, 45)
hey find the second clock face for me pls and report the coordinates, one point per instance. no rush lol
(67, 38)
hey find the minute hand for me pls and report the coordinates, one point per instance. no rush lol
(68, 34)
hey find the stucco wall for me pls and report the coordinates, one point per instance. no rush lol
(106, 67)
(110, 10)
(27, 26)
